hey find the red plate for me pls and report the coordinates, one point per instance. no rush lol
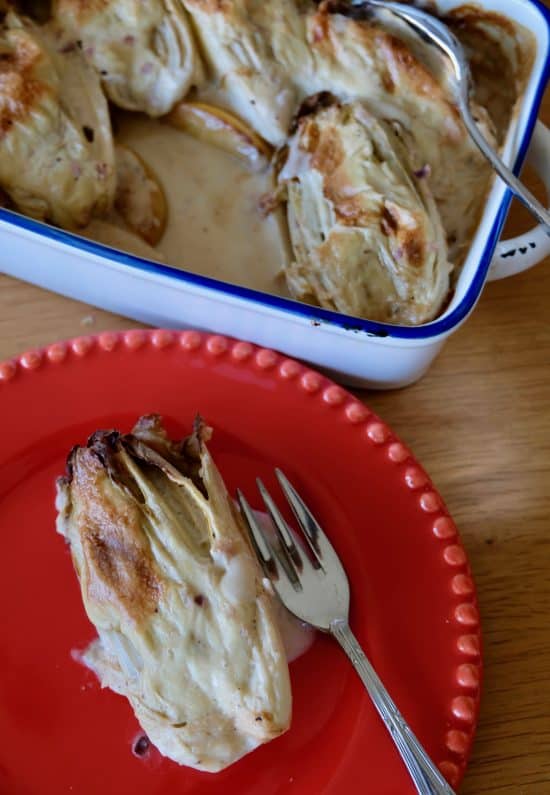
(413, 602)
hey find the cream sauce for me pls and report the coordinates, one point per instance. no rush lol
(215, 226)
(297, 636)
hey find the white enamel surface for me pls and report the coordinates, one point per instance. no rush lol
(353, 357)
(522, 252)
(527, 15)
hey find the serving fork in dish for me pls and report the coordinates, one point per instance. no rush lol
(313, 585)
(437, 33)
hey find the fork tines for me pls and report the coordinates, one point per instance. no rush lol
(283, 547)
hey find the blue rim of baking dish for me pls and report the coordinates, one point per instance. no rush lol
(317, 315)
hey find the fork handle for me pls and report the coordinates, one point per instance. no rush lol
(426, 777)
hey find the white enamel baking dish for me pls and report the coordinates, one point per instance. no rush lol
(355, 351)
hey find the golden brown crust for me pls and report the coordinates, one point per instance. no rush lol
(366, 235)
(20, 86)
(405, 70)
(119, 567)
(211, 6)
(324, 144)
(325, 149)
(419, 78)
(374, 39)
(83, 10)
(117, 556)
(411, 241)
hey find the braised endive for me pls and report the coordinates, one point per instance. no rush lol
(186, 626)
(366, 234)
(145, 53)
(56, 146)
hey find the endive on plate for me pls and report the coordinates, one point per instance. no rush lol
(186, 624)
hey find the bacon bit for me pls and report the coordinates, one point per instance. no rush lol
(89, 51)
(388, 222)
(129, 39)
(102, 170)
(76, 170)
(147, 68)
(69, 47)
(269, 202)
(425, 171)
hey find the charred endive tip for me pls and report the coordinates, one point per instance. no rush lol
(147, 435)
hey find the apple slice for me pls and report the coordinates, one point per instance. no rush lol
(221, 128)
(139, 197)
(115, 236)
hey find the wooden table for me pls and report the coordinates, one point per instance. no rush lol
(480, 423)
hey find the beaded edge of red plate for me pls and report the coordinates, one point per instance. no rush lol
(464, 706)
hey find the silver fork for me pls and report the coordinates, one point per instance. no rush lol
(316, 590)
(436, 32)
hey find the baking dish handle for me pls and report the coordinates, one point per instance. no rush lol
(522, 252)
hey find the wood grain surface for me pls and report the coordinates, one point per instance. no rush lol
(480, 423)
